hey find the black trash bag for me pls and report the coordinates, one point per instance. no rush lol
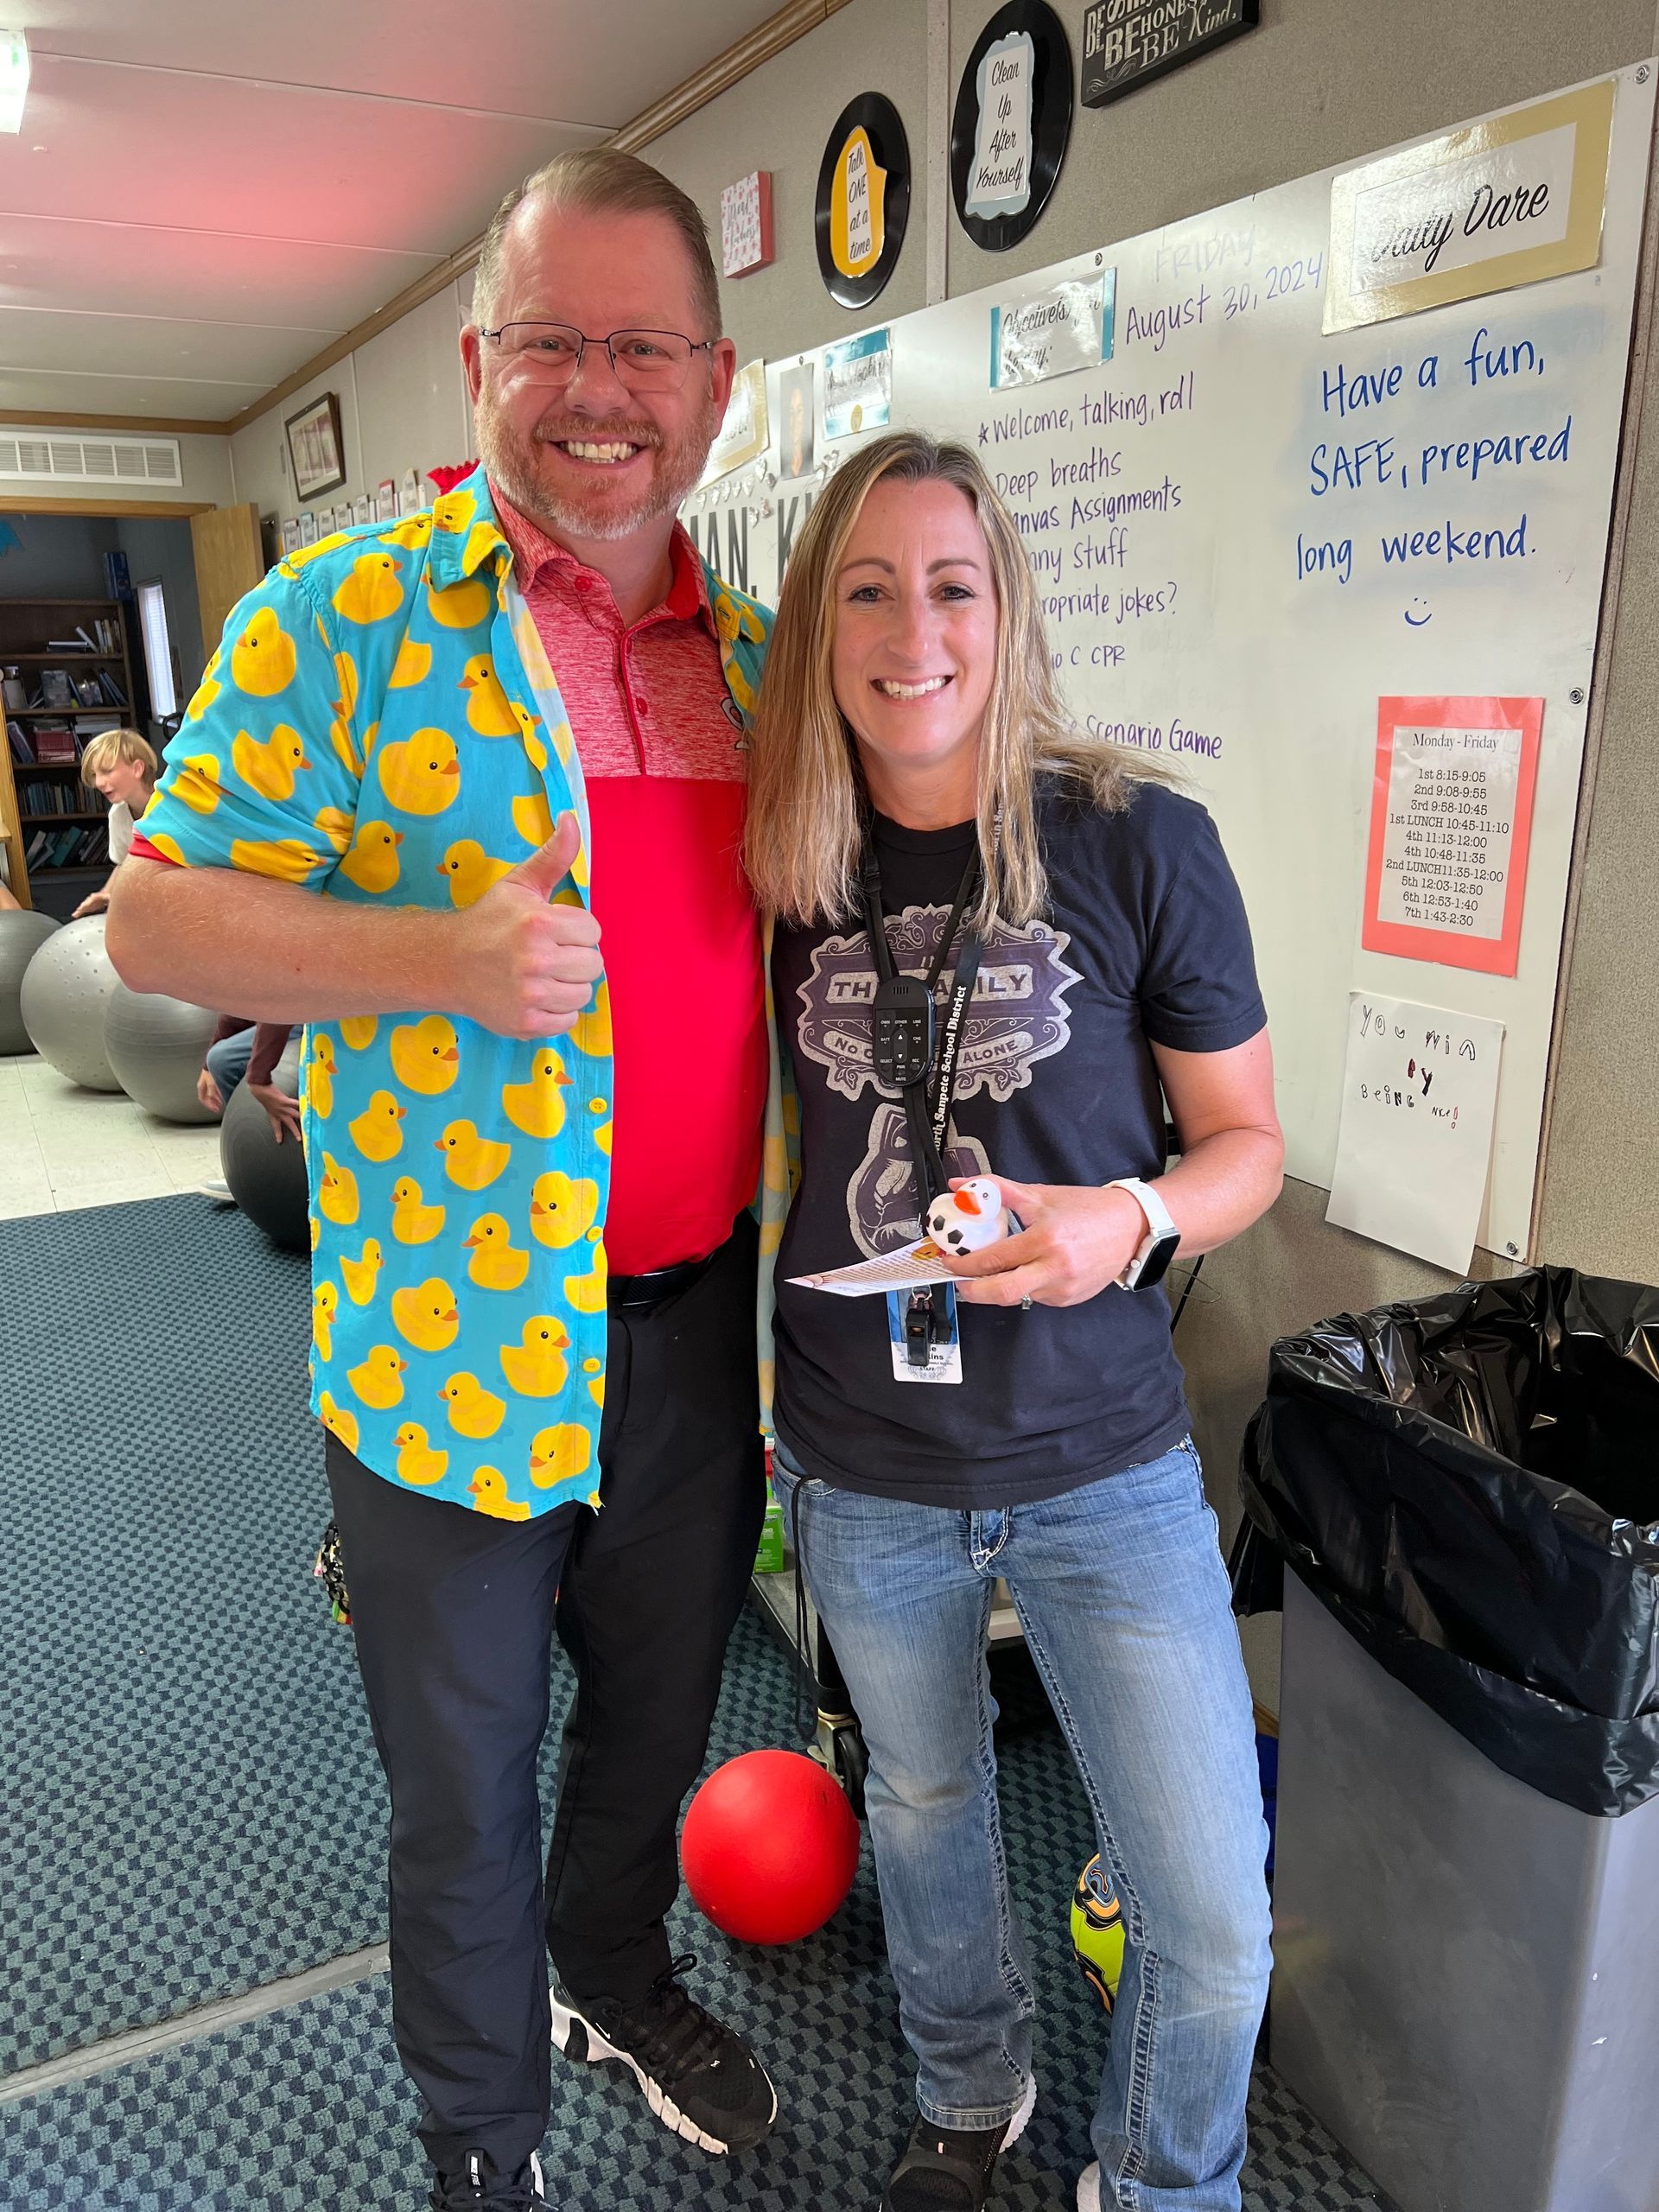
(1470, 1484)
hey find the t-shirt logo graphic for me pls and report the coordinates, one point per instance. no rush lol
(1019, 1015)
(882, 1197)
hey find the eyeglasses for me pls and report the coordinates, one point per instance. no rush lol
(644, 360)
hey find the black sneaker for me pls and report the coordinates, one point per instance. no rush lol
(950, 2169)
(700, 2079)
(478, 2188)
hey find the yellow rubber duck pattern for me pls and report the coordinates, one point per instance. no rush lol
(378, 727)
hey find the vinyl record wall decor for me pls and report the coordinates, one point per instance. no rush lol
(1012, 122)
(863, 202)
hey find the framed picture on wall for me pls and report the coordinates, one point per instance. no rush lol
(314, 448)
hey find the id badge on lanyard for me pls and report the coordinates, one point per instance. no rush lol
(942, 1362)
(923, 1333)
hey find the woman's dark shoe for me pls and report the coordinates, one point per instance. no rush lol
(475, 2186)
(950, 2169)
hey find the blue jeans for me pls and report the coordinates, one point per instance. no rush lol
(228, 1061)
(1123, 1600)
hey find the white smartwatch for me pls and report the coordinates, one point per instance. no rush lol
(1153, 1256)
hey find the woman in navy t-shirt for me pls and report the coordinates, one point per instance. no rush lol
(1088, 959)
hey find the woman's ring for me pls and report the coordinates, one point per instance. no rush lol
(1025, 1305)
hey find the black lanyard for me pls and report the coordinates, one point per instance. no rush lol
(903, 1019)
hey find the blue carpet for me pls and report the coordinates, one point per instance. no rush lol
(309, 2107)
(193, 1805)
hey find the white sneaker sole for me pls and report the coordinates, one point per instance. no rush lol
(1017, 2125)
(565, 2018)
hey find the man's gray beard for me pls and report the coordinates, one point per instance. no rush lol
(670, 487)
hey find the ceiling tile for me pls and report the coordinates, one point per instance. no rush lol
(42, 390)
(192, 352)
(124, 269)
(198, 152)
(563, 58)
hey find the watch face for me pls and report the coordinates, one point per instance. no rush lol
(1155, 1266)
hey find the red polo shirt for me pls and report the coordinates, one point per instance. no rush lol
(653, 726)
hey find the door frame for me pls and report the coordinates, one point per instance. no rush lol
(116, 509)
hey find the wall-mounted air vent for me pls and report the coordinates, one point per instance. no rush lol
(89, 458)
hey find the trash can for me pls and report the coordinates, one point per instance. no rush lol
(1466, 1890)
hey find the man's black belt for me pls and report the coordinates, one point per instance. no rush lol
(639, 1294)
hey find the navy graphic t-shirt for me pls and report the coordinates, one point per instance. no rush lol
(1145, 942)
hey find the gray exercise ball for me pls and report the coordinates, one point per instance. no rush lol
(155, 1047)
(22, 936)
(67, 987)
(267, 1179)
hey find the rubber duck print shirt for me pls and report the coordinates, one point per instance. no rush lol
(381, 725)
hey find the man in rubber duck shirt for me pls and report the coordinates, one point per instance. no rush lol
(505, 737)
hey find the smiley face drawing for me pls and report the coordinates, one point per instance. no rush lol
(1416, 621)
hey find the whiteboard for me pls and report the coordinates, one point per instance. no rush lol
(1170, 503)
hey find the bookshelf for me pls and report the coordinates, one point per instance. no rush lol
(49, 822)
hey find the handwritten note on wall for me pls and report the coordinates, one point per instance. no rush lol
(1419, 1088)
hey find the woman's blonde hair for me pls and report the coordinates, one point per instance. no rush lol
(112, 744)
(807, 802)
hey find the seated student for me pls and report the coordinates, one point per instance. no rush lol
(917, 797)
(8, 904)
(245, 1052)
(122, 767)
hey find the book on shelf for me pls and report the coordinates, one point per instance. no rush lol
(55, 742)
(89, 692)
(94, 846)
(113, 692)
(20, 748)
(61, 798)
(56, 690)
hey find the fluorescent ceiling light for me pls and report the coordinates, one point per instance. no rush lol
(14, 78)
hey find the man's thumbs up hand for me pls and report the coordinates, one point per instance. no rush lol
(525, 967)
(549, 865)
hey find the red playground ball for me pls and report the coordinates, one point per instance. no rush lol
(770, 1847)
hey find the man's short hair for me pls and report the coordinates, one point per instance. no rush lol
(599, 179)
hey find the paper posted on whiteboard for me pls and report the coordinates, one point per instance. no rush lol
(1419, 1091)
